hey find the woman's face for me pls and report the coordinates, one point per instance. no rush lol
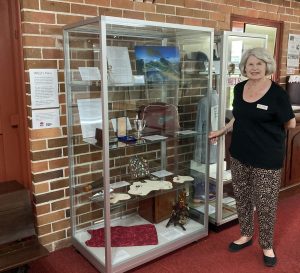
(255, 68)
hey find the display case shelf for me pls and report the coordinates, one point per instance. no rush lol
(116, 144)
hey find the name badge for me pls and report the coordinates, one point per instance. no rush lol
(261, 106)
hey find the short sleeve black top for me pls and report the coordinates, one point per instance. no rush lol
(258, 136)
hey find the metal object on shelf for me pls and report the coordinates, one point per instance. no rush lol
(139, 125)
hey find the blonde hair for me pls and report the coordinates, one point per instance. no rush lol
(262, 54)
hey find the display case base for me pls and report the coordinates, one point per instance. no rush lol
(221, 227)
(169, 239)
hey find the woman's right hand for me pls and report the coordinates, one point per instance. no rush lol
(213, 136)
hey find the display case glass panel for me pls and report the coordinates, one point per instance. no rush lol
(228, 49)
(133, 90)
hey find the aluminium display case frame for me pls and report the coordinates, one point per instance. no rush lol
(102, 30)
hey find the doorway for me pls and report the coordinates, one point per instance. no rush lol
(273, 29)
(14, 152)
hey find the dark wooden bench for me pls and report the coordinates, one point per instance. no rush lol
(19, 244)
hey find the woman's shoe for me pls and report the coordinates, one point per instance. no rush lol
(233, 247)
(270, 261)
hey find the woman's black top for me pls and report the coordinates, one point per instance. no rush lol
(258, 136)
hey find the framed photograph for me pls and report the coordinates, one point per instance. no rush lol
(158, 63)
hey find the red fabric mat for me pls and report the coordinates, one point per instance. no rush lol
(138, 235)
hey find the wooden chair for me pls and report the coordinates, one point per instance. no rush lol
(19, 244)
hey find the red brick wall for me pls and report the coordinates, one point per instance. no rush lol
(42, 23)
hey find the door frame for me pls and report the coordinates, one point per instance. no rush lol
(18, 62)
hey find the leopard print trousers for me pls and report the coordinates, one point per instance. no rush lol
(259, 188)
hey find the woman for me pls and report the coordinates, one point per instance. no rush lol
(261, 113)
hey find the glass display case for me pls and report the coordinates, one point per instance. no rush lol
(133, 91)
(228, 49)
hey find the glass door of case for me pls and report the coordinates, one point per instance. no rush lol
(228, 49)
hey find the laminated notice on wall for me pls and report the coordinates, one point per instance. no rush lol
(293, 51)
(44, 88)
(45, 118)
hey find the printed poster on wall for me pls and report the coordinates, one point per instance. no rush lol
(44, 88)
(293, 51)
(45, 118)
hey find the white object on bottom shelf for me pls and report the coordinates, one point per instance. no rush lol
(120, 254)
(200, 167)
(201, 208)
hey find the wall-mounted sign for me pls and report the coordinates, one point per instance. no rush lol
(45, 118)
(293, 53)
(44, 88)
